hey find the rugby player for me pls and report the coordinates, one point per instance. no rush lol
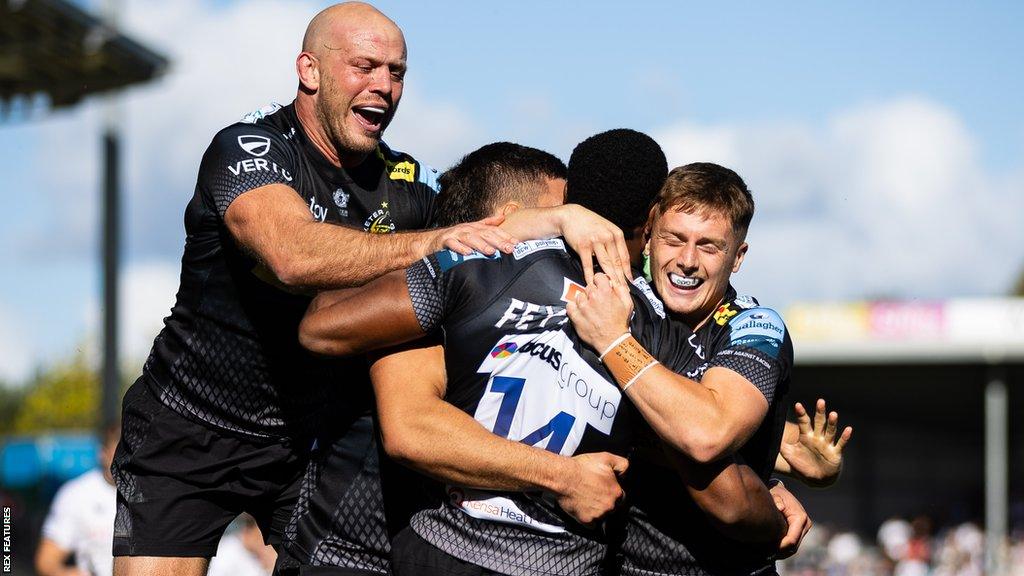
(291, 198)
(512, 548)
(600, 169)
(742, 357)
(340, 526)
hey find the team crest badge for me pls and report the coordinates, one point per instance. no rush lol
(341, 198)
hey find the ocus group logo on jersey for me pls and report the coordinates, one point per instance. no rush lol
(504, 350)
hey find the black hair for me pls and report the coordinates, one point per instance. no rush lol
(617, 174)
(491, 176)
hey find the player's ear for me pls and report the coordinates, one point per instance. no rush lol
(738, 261)
(509, 208)
(308, 68)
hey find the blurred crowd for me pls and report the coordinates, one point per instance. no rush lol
(902, 548)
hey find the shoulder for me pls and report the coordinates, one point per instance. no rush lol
(263, 113)
(253, 140)
(751, 325)
(401, 166)
(256, 132)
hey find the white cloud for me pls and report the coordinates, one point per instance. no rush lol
(886, 199)
(16, 359)
(149, 291)
(147, 294)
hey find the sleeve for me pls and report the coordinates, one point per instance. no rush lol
(754, 348)
(243, 157)
(438, 290)
(60, 525)
(428, 291)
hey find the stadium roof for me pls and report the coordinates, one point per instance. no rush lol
(977, 331)
(52, 47)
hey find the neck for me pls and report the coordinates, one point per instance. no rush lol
(699, 318)
(305, 110)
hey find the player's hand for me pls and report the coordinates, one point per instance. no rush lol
(593, 489)
(482, 236)
(592, 236)
(815, 456)
(601, 314)
(796, 517)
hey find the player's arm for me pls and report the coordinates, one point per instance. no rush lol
(252, 191)
(422, 431)
(588, 234)
(705, 420)
(733, 497)
(810, 452)
(353, 321)
(739, 504)
(274, 224)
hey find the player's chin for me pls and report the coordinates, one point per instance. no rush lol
(363, 143)
(682, 302)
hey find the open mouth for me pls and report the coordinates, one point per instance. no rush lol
(684, 282)
(370, 117)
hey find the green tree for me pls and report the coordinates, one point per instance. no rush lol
(62, 396)
(11, 399)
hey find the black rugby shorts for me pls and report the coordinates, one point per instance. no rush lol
(411, 555)
(180, 483)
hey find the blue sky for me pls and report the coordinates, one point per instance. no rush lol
(884, 144)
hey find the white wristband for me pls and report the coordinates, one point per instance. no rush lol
(611, 347)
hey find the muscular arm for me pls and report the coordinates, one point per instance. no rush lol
(705, 420)
(424, 432)
(354, 321)
(274, 224)
(733, 497)
(588, 234)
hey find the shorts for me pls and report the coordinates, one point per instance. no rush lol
(180, 483)
(411, 555)
(354, 500)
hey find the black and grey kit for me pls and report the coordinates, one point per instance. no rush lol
(228, 358)
(515, 364)
(664, 532)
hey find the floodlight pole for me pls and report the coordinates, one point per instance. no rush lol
(110, 397)
(996, 450)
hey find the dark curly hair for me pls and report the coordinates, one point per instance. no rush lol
(617, 174)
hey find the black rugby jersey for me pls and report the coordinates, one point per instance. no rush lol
(665, 532)
(515, 363)
(228, 355)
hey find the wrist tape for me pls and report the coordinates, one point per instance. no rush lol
(627, 361)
